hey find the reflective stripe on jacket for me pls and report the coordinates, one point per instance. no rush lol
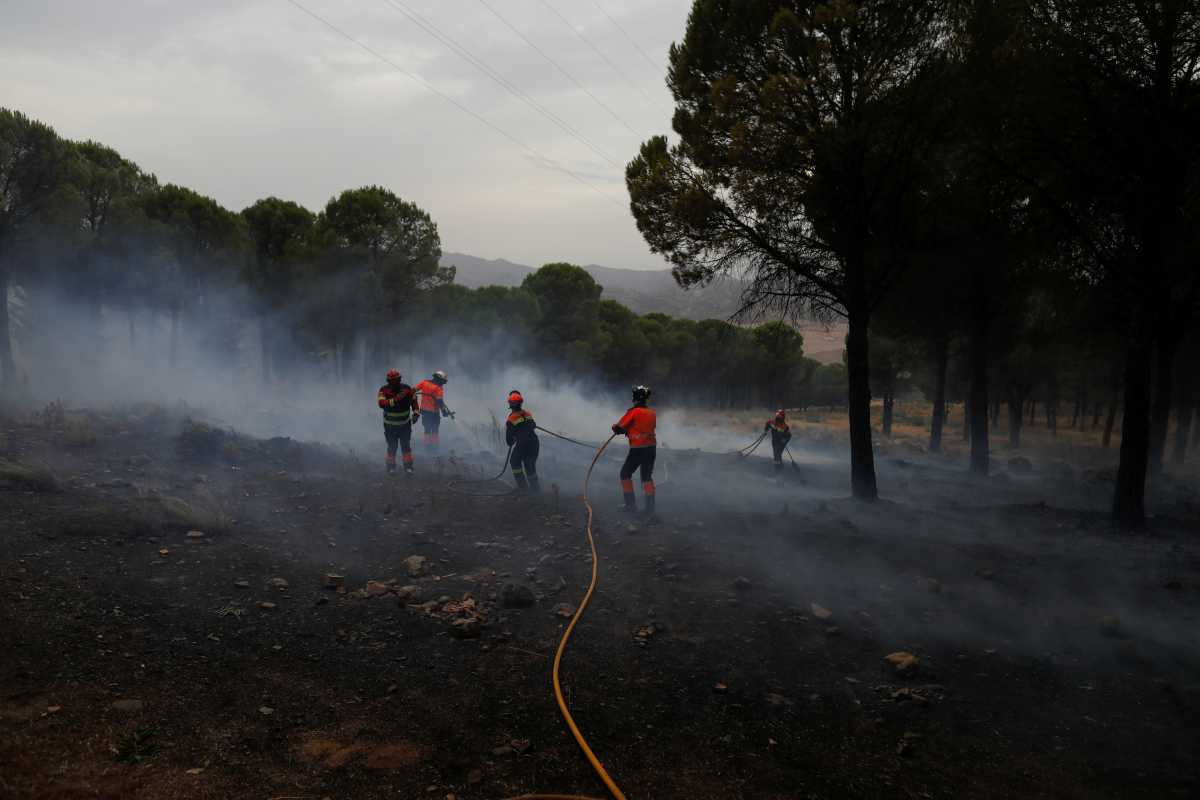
(398, 404)
(639, 423)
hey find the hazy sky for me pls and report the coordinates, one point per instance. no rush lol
(241, 99)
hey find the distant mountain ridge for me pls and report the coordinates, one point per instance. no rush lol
(642, 291)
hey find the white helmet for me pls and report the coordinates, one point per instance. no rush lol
(439, 376)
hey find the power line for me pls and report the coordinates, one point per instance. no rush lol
(560, 68)
(600, 53)
(495, 76)
(434, 90)
(632, 41)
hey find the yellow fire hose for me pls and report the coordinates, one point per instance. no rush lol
(562, 646)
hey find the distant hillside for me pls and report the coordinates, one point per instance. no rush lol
(642, 291)
(648, 291)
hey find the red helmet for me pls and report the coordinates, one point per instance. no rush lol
(780, 415)
(514, 398)
(393, 375)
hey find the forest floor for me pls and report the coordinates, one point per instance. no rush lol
(167, 632)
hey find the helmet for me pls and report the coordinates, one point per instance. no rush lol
(393, 375)
(780, 415)
(641, 394)
(439, 376)
(515, 398)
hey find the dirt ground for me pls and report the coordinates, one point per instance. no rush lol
(167, 633)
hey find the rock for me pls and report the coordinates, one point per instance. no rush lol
(266, 711)
(408, 593)
(1019, 465)
(819, 611)
(565, 610)
(516, 596)
(415, 565)
(377, 588)
(266, 605)
(195, 535)
(128, 705)
(164, 552)
(337, 582)
(242, 584)
(279, 584)
(468, 628)
(742, 584)
(903, 661)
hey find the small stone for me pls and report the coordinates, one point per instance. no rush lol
(903, 661)
(377, 588)
(720, 688)
(266, 711)
(195, 770)
(564, 610)
(469, 628)
(407, 594)
(242, 584)
(517, 596)
(278, 583)
(195, 534)
(415, 565)
(335, 581)
(742, 584)
(266, 605)
(128, 705)
(164, 552)
(819, 611)
(833, 630)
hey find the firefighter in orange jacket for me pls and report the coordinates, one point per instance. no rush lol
(639, 425)
(433, 406)
(399, 403)
(520, 433)
(781, 434)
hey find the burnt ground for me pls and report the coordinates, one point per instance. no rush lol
(735, 648)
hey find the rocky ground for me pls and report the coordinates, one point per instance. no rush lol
(190, 613)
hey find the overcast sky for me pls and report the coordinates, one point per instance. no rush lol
(241, 99)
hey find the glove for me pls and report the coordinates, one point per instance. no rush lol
(766, 427)
(617, 429)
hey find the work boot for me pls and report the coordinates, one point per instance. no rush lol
(408, 471)
(391, 467)
(649, 504)
(535, 487)
(522, 484)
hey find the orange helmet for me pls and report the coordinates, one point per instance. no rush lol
(514, 398)
(780, 415)
(393, 375)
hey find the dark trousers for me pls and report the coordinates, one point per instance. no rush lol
(777, 447)
(431, 423)
(524, 463)
(639, 458)
(398, 436)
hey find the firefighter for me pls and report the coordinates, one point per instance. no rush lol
(639, 424)
(781, 434)
(520, 433)
(433, 406)
(399, 403)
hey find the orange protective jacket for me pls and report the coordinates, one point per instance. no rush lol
(431, 395)
(638, 424)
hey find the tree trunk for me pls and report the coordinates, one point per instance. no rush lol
(8, 367)
(939, 397)
(1096, 411)
(1183, 429)
(1032, 411)
(1160, 416)
(1015, 418)
(979, 395)
(996, 412)
(1110, 422)
(1129, 499)
(889, 403)
(862, 456)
